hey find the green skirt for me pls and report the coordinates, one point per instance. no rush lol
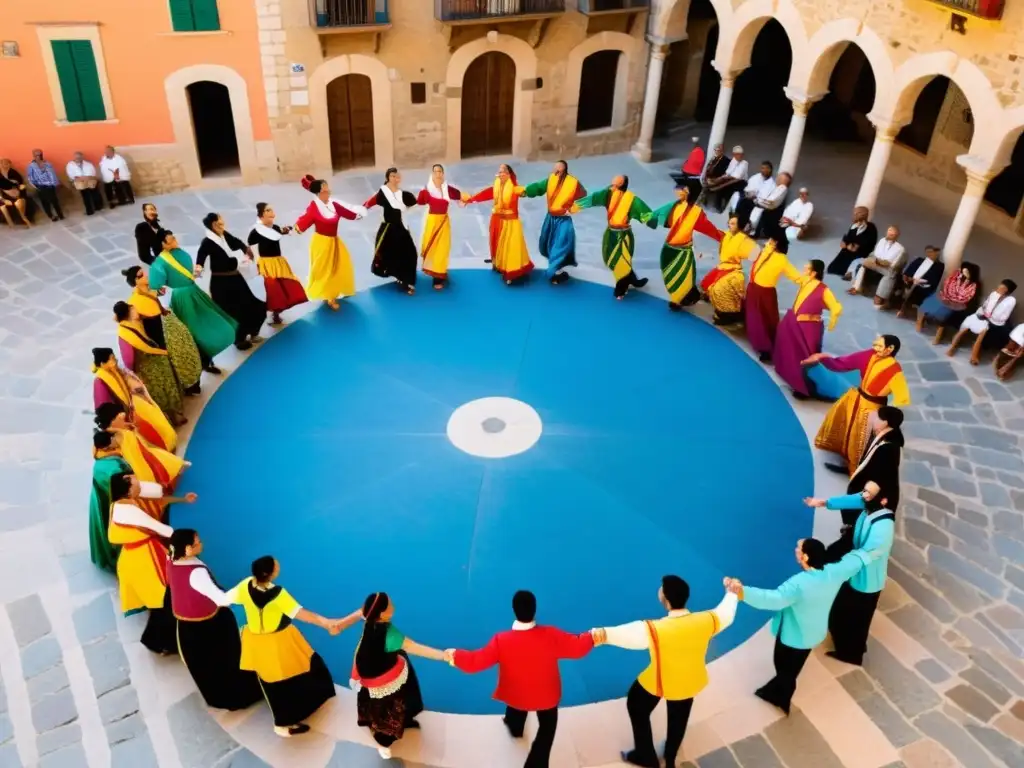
(158, 376)
(210, 326)
(617, 251)
(182, 351)
(679, 271)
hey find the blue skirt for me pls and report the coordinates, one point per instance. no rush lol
(558, 243)
(937, 311)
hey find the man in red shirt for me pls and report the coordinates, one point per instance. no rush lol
(694, 164)
(528, 679)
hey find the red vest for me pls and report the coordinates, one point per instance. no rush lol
(186, 603)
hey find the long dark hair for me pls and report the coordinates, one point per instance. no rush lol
(106, 413)
(131, 275)
(372, 660)
(181, 540)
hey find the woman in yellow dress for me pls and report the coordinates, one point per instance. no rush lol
(330, 266)
(723, 285)
(436, 244)
(114, 384)
(149, 463)
(509, 254)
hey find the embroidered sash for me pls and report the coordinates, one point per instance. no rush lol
(877, 375)
(117, 384)
(176, 265)
(619, 208)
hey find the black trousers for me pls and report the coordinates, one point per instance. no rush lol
(48, 199)
(623, 285)
(743, 210)
(640, 704)
(788, 664)
(849, 622)
(768, 224)
(91, 200)
(720, 197)
(547, 722)
(123, 191)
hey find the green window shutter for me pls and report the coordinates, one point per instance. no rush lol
(90, 93)
(181, 16)
(68, 77)
(204, 13)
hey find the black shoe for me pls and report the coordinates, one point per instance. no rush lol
(839, 469)
(631, 758)
(844, 659)
(514, 733)
(296, 730)
(765, 357)
(54, 218)
(60, 216)
(195, 389)
(243, 345)
(765, 695)
(211, 368)
(641, 282)
(673, 307)
(800, 396)
(488, 261)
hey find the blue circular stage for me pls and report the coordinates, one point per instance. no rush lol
(453, 447)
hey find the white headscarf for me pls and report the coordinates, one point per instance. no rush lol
(219, 241)
(264, 231)
(394, 198)
(434, 191)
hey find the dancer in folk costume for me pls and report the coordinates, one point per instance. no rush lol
(330, 266)
(436, 244)
(801, 331)
(761, 305)
(682, 218)
(557, 235)
(283, 288)
(509, 254)
(723, 285)
(394, 252)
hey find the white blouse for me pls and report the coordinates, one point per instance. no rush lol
(635, 637)
(995, 311)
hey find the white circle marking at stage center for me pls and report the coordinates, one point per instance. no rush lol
(494, 427)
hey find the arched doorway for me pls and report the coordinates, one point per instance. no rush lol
(350, 122)
(213, 126)
(597, 90)
(758, 97)
(841, 115)
(488, 105)
(940, 130)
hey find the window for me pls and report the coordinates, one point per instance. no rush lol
(194, 16)
(79, 80)
(418, 93)
(597, 90)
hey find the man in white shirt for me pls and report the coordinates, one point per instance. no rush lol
(719, 188)
(990, 323)
(82, 175)
(759, 185)
(887, 260)
(797, 215)
(766, 210)
(116, 178)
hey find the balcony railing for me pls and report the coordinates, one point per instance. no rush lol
(469, 10)
(982, 9)
(338, 15)
(589, 7)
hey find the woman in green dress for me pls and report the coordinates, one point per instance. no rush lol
(150, 362)
(211, 327)
(163, 327)
(109, 462)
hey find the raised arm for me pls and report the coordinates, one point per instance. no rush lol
(705, 227)
(412, 647)
(900, 391)
(849, 501)
(640, 211)
(660, 216)
(131, 516)
(307, 219)
(846, 568)
(633, 636)
(725, 612)
(856, 361)
(776, 599)
(574, 646)
(485, 194)
(791, 272)
(477, 661)
(536, 189)
(835, 309)
(598, 199)
(350, 213)
(234, 243)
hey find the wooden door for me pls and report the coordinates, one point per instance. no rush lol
(350, 120)
(488, 105)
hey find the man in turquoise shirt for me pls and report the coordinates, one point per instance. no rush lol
(802, 604)
(850, 619)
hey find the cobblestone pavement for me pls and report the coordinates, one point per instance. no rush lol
(943, 684)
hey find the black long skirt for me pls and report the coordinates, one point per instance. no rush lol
(159, 636)
(388, 718)
(293, 700)
(395, 254)
(849, 622)
(212, 650)
(232, 294)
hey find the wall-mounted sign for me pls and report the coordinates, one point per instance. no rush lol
(10, 48)
(298, 69)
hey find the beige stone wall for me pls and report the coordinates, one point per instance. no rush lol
(157, 169)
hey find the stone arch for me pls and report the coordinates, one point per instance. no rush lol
(526, 71)
(912, 76)
(1004, 138)
(629, 47)
(383, 131)
(669, 23)
(181, 118)
(736, 38)
(812, 73)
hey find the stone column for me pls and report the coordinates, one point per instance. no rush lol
(870, 185)
(721, 121)
(794, 137)
(963, 221)
(642, 149)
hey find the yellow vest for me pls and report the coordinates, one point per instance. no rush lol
(679, 647)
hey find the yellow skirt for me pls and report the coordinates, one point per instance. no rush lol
(151, 419)
(511, 257)
(276, 267)
(436, 245)
(845, 429)
(726, 293)
(138, 578)
(135, 452)
(276, 656)
(330, 269)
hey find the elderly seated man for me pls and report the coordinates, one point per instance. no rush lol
(796, 216)
(887, 260)
(760, 185)
(991, 323)
(83, 177)
(719, 188)
(764, 211)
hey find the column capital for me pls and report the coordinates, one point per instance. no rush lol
(886, 130)
(979, 171)
(802, 101)
(728, 75)
(659, 51)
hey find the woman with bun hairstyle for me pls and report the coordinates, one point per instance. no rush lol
(282, 286)
(148, 360)
(389, 697)
(330, 266)
(207, 633)
(115, 384)
(164, 327)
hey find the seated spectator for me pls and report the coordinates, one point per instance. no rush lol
(82, 175)
(716, 166)
(797, 215)
(719, 188)
(44, 179)
(13, 195)
(861, 235)
(117, 179)
(759, 186)
(887, 260)
(1007, 358)
(918, 281)
(991, 323)
(694, 166)
(952, 303)
(766, 210)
